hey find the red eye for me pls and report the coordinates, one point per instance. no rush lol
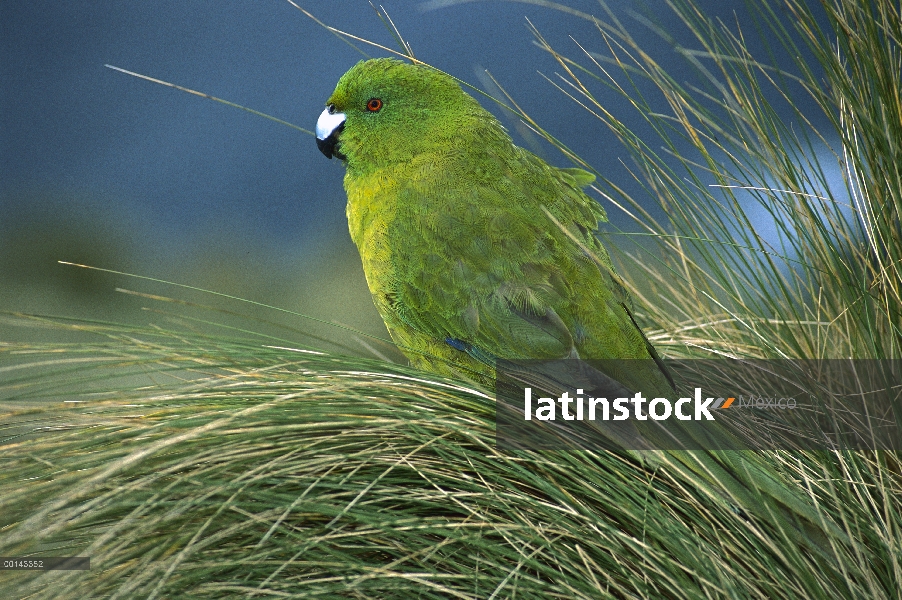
(374, 104)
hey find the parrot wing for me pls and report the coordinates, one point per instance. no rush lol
(514, 270)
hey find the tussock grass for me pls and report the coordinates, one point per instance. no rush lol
(187, 464)
(192, 466)
(828, 282)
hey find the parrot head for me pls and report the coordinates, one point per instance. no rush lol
(384, 111)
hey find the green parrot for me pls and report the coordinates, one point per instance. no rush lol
(463, 263)
(477, 250)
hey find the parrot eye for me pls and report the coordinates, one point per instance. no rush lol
(374, 104)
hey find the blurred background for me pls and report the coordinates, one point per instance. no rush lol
(115, 172)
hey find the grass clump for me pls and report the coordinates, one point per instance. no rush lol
(187, 464)
(193, 466)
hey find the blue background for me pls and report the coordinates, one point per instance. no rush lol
(103, 168)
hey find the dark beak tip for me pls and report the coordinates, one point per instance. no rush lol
(327, 146)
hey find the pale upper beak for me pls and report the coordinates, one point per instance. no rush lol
(328, 126)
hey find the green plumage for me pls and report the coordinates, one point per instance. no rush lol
(448, 216)
(466, 264)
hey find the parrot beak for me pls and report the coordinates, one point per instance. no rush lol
(328, 126)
